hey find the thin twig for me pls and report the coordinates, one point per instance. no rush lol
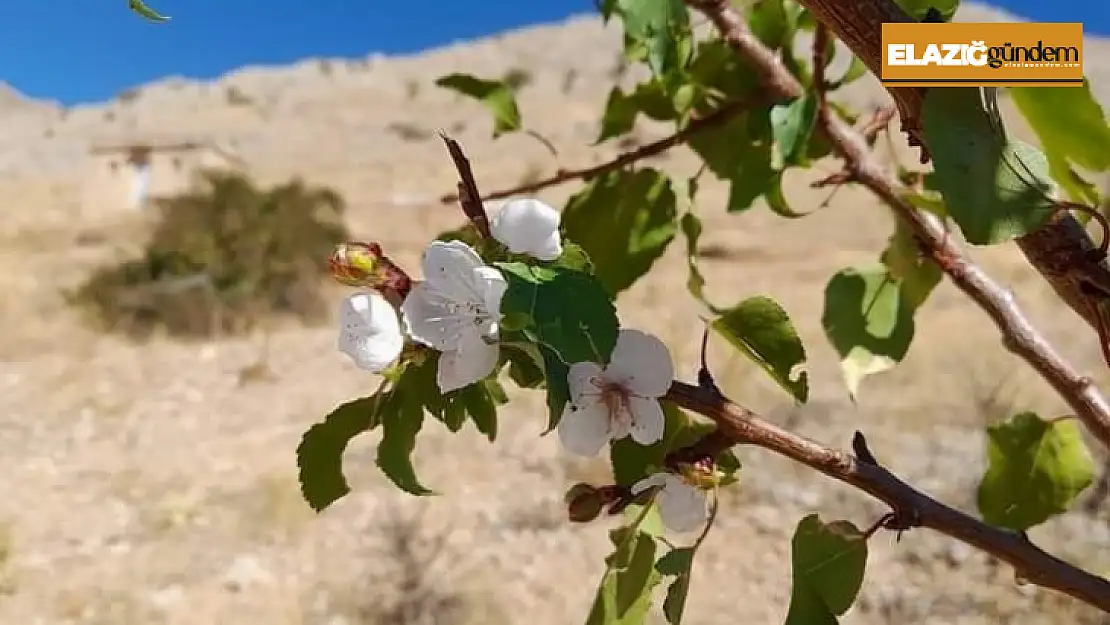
(911, 507)
(696, 125)
(1019, 335)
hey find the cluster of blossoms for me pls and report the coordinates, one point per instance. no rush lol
(455, 311)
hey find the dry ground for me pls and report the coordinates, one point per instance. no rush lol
(155, 484)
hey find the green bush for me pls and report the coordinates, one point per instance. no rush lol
(222, 258)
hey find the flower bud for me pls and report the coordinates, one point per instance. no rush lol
(364, 265)
(584, 503)
(356, 264)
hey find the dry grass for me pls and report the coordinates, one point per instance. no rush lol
(156, 483)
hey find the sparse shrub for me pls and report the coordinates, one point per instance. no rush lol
(324, 66)
(517, 78)
(409, 131)
(235, 97)
(221, 258)
(569, 78)
(532, 174)
(128, 96)
(412, 89)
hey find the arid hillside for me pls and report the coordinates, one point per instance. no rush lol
(154, 483)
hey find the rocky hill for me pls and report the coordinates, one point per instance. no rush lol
(155, 484)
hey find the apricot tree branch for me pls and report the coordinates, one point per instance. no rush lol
(912, 508)
(696, 125)
(1061, 251)
(1018, 334)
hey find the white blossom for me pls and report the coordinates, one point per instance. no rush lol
(528, 226)
(456, 310)
(369, 331)
(683, 507)
(619, 400)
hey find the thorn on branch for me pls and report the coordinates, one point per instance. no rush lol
(839, 178)
(703, 453)
(1098, 254)
(705, 377)
(901, 519)
(878, 122)
(894, 522)
(861, 450)
(469, 198)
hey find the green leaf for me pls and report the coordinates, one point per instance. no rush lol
(479, 402)
(558, 389)
(624, 594)
(482, 402)
(1036, 470)
(575, 258)
(659, 25)
(740, 152)
(402, 416)
(1069, 122)
(792, 125)
(868, 321)
(776, 199)
(1080, 136)
(996, 190)
(570, 311)
(525, 364)
(827, 565)
(677, 563)
(320, 452)
(140, 7)
(695, 282)
(619, 117)
(917, 8)
(918, 275)
(497, 96)
(624, 221)
(467, 234)
(771, 23)
(763, 332)
(632, 461)
(856, 69)
(717, 68)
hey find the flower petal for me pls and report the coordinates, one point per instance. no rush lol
(551, 249)
(682, 507)
(428, 320)
(586, 430)
(491, 286)
(528, 226)
(473, 360)
(641, 363)
(369, 331)
(580, 380)
(655, 479)
(648, 420)
(449, 268)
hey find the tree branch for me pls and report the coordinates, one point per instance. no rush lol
(696, 125)
(912, 508)
(1019, 335)
(1062, 251)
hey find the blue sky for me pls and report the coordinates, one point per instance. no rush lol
(88, 50)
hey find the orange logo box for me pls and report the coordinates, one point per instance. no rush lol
(1001, 54)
